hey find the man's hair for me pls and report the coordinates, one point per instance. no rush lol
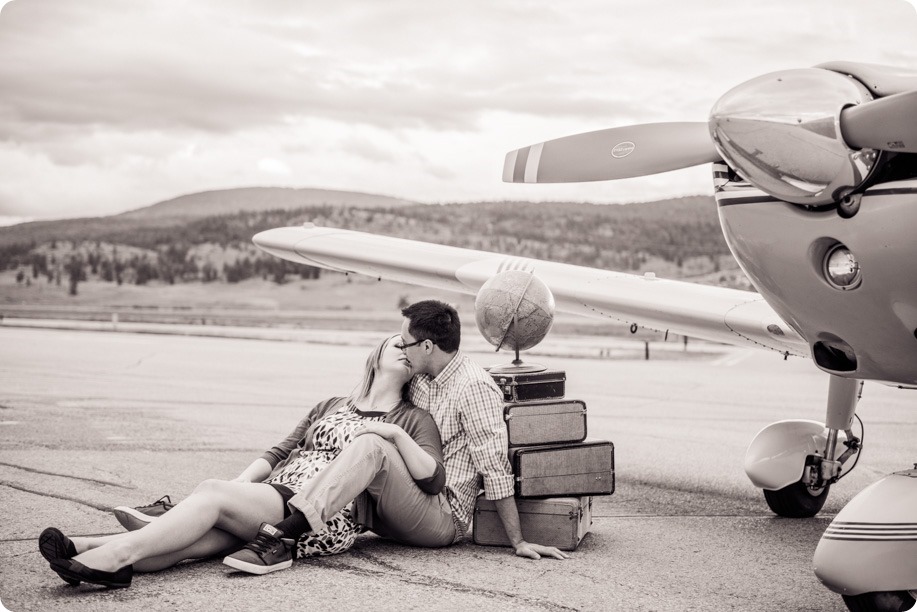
(436, 321)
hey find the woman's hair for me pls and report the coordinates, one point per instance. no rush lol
(369, 371)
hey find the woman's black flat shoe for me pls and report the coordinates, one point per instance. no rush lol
(74, 570)
(52, 544)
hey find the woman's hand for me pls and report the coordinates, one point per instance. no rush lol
(388, 431)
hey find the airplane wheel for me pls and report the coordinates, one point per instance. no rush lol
(882, 601)
(796, 500)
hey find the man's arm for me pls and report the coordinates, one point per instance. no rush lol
(482, 418)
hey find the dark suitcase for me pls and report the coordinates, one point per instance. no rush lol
(546, 422)
(547, 384)
(587, 468)
(555, 521)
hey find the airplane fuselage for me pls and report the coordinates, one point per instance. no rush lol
(867, 330)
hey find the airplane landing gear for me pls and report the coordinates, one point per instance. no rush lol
(797, 500)
(796, 462)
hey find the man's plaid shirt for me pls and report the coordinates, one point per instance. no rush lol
(468, 409)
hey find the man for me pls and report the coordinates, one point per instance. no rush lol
(468, 409)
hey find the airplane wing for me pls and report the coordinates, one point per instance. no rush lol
(718, 314)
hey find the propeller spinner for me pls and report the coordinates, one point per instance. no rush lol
(808, 136)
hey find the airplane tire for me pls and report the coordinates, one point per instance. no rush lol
(796, 501)
(881, 601)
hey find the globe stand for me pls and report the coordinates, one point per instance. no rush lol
(517, 366)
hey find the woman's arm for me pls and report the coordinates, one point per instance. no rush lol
(256, 472)
(282, 449)
(419, 463)
(414, 433)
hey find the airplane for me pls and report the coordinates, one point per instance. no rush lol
(815, 180)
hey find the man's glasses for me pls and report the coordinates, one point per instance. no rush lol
(403, 345)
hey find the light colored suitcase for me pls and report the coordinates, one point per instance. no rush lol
(555, 521)
(585, 468)
(546, 422)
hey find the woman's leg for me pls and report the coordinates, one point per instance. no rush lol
(215, 542)
(235, 507)
(212, 543)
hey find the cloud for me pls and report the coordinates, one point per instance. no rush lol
(269, 165)
(111, 103)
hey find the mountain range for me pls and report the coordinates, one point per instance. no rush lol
(194, 206)
(252, 199)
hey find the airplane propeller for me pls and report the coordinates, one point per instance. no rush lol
(887, 124)
(615, 153)
(779, 131)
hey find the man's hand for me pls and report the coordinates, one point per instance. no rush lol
(536, 551)
(509, 516)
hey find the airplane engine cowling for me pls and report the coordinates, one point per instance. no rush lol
(781, 132)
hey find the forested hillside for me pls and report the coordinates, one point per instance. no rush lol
(684, 233)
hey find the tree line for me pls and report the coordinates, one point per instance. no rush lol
(607, 237)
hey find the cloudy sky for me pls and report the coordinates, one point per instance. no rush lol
(110, 105)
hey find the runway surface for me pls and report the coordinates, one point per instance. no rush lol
(91, 420)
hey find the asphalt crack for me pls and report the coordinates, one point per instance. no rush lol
(83, 478)
(63, 497)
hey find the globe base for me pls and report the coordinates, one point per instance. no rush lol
(517, 367)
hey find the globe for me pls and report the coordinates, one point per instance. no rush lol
(514, 310)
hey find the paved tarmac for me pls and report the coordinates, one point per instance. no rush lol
(90, 420)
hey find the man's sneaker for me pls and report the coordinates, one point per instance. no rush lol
(133, 519)
(267, 553)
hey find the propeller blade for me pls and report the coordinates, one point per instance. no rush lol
(614, 153)
(887, 124)
(881, 80)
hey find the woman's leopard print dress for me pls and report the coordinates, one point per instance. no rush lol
(330, 435)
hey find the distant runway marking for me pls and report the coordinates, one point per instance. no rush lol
(10, 422)
(105, 402)
(37, 471)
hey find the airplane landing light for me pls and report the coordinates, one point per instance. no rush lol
(842, 270)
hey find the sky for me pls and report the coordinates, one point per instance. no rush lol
(112, 105)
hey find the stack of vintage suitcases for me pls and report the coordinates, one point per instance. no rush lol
(556, 468)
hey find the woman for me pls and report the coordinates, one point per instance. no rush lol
(219, 515)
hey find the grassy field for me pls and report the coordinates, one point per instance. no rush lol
(334, 301)
(330, 292)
